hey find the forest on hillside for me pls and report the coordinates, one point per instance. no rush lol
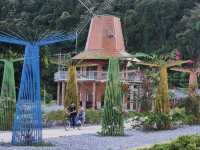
(150, 26)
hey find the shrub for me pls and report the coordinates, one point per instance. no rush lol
(93, 116)
(192, 106)
(55, 115)
(178, 114)
(158, 121)
(151, 119)
(161, 121)
(192, 111)
(182, 143)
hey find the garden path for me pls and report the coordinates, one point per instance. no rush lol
(87, 139)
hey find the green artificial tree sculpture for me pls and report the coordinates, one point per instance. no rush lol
(8, 94)
(112, 116)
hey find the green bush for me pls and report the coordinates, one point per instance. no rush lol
(93, 116)
(182, 143)
(178, 114)
(55, 115)
(158, 121)
(192, 107)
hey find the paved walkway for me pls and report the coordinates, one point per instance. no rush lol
(55, 133)
(87, 139)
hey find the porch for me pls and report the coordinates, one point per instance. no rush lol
(99, 76)
(91, 86)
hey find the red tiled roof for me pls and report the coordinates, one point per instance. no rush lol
(105, 39)
(102, 54)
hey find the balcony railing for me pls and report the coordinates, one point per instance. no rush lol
(131, 76)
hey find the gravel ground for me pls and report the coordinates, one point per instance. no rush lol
(92, 141)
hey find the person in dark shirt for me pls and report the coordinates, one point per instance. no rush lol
(72, 115)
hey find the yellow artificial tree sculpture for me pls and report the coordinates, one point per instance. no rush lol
(163, 63)
(71, 88)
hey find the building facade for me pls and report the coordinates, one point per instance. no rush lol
(105, 40)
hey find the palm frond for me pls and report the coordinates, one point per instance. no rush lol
(143, 55)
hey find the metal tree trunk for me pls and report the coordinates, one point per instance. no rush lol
(27, 127)
(112, 116)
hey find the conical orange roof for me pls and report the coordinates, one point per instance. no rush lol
(105, 39)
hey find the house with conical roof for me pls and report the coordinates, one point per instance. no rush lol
(105, 40)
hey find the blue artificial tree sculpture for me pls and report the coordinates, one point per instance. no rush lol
(27, 128)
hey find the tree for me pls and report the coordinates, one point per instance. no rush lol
(112, 117)
(189, 35)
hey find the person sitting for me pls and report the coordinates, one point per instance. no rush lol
(72, 115)
(81, 115)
